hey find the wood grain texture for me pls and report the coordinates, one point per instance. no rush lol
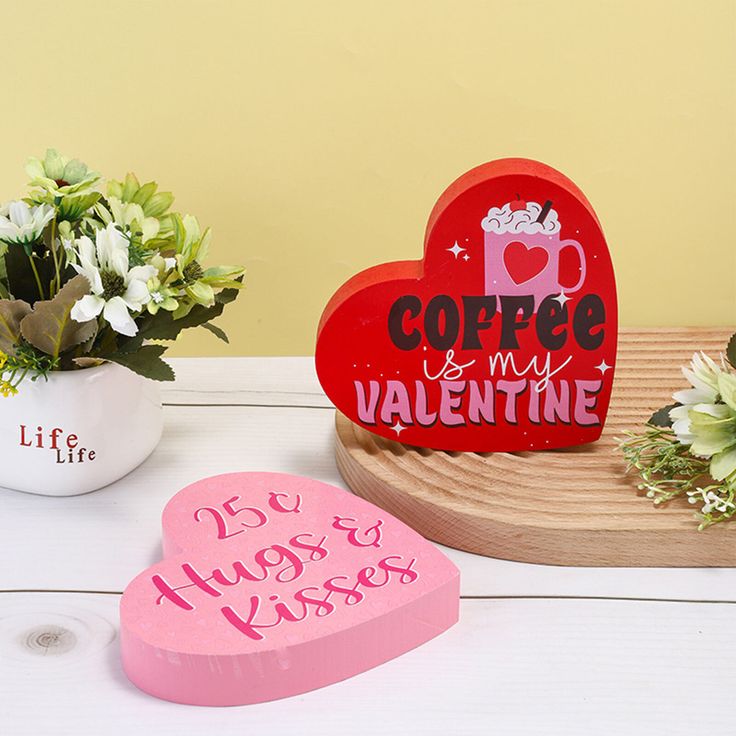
(573, 506)
(100, 541)
(511, 667)
(522, 662)
(263, 381)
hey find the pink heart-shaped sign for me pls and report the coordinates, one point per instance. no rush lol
(272, 585)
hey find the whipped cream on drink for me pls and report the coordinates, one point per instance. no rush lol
(520, 217)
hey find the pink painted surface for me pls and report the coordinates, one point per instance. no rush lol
(523, 263)
(273, 585)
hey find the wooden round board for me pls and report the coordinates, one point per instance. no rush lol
(574, 506)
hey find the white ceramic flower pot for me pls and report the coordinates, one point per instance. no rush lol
(78, 431)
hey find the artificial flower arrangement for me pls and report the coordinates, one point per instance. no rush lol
(88, 277)
(689, 447)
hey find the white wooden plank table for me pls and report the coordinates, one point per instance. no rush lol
(538, 649)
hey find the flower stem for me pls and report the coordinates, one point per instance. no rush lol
(56, 283)
(38, 278)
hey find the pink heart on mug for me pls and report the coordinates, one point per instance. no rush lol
(524, 263)
(273, 585)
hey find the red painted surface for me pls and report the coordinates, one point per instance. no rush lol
(473, 348)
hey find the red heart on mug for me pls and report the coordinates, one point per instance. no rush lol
(524, 263)
(451, 353)
(272, 585)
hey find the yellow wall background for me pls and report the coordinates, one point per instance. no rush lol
(314, 137)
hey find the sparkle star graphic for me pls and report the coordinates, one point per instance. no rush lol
(603, 366)
(398, 428)
(466, 257)
(456, 250)
(562, 299)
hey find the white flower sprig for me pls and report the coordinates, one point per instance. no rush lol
(100, 270)
(706, 416)
(690, 448)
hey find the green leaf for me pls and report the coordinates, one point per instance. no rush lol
(164, 327)
(53, 164)
(723, 464)
(106, 344)
(75, 171)
(73, 208)
(201, 292)
(130, 187)
(661, 417)
(11, 315)
(128, 345)
(185, 306)
(84, 347)
(228, 295)
(50, 326)
(144, 193)
(146, 362)
(158, 204)
(731, 350)
(216, 331)
(115, 189)
(162, 245)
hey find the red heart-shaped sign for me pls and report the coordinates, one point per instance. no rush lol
(492, 342)
(523, 262)
(272, 585)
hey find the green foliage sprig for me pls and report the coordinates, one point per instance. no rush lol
(27, 361)
(689, 448)
(89, 276)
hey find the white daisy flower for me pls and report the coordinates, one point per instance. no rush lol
(21, 224)
(703, 376)
(117, 290)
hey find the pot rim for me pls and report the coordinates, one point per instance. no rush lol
(78, 373)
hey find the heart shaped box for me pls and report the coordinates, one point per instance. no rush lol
(502, 338)
(272, 585)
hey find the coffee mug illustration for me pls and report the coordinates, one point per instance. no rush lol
(522, 251)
